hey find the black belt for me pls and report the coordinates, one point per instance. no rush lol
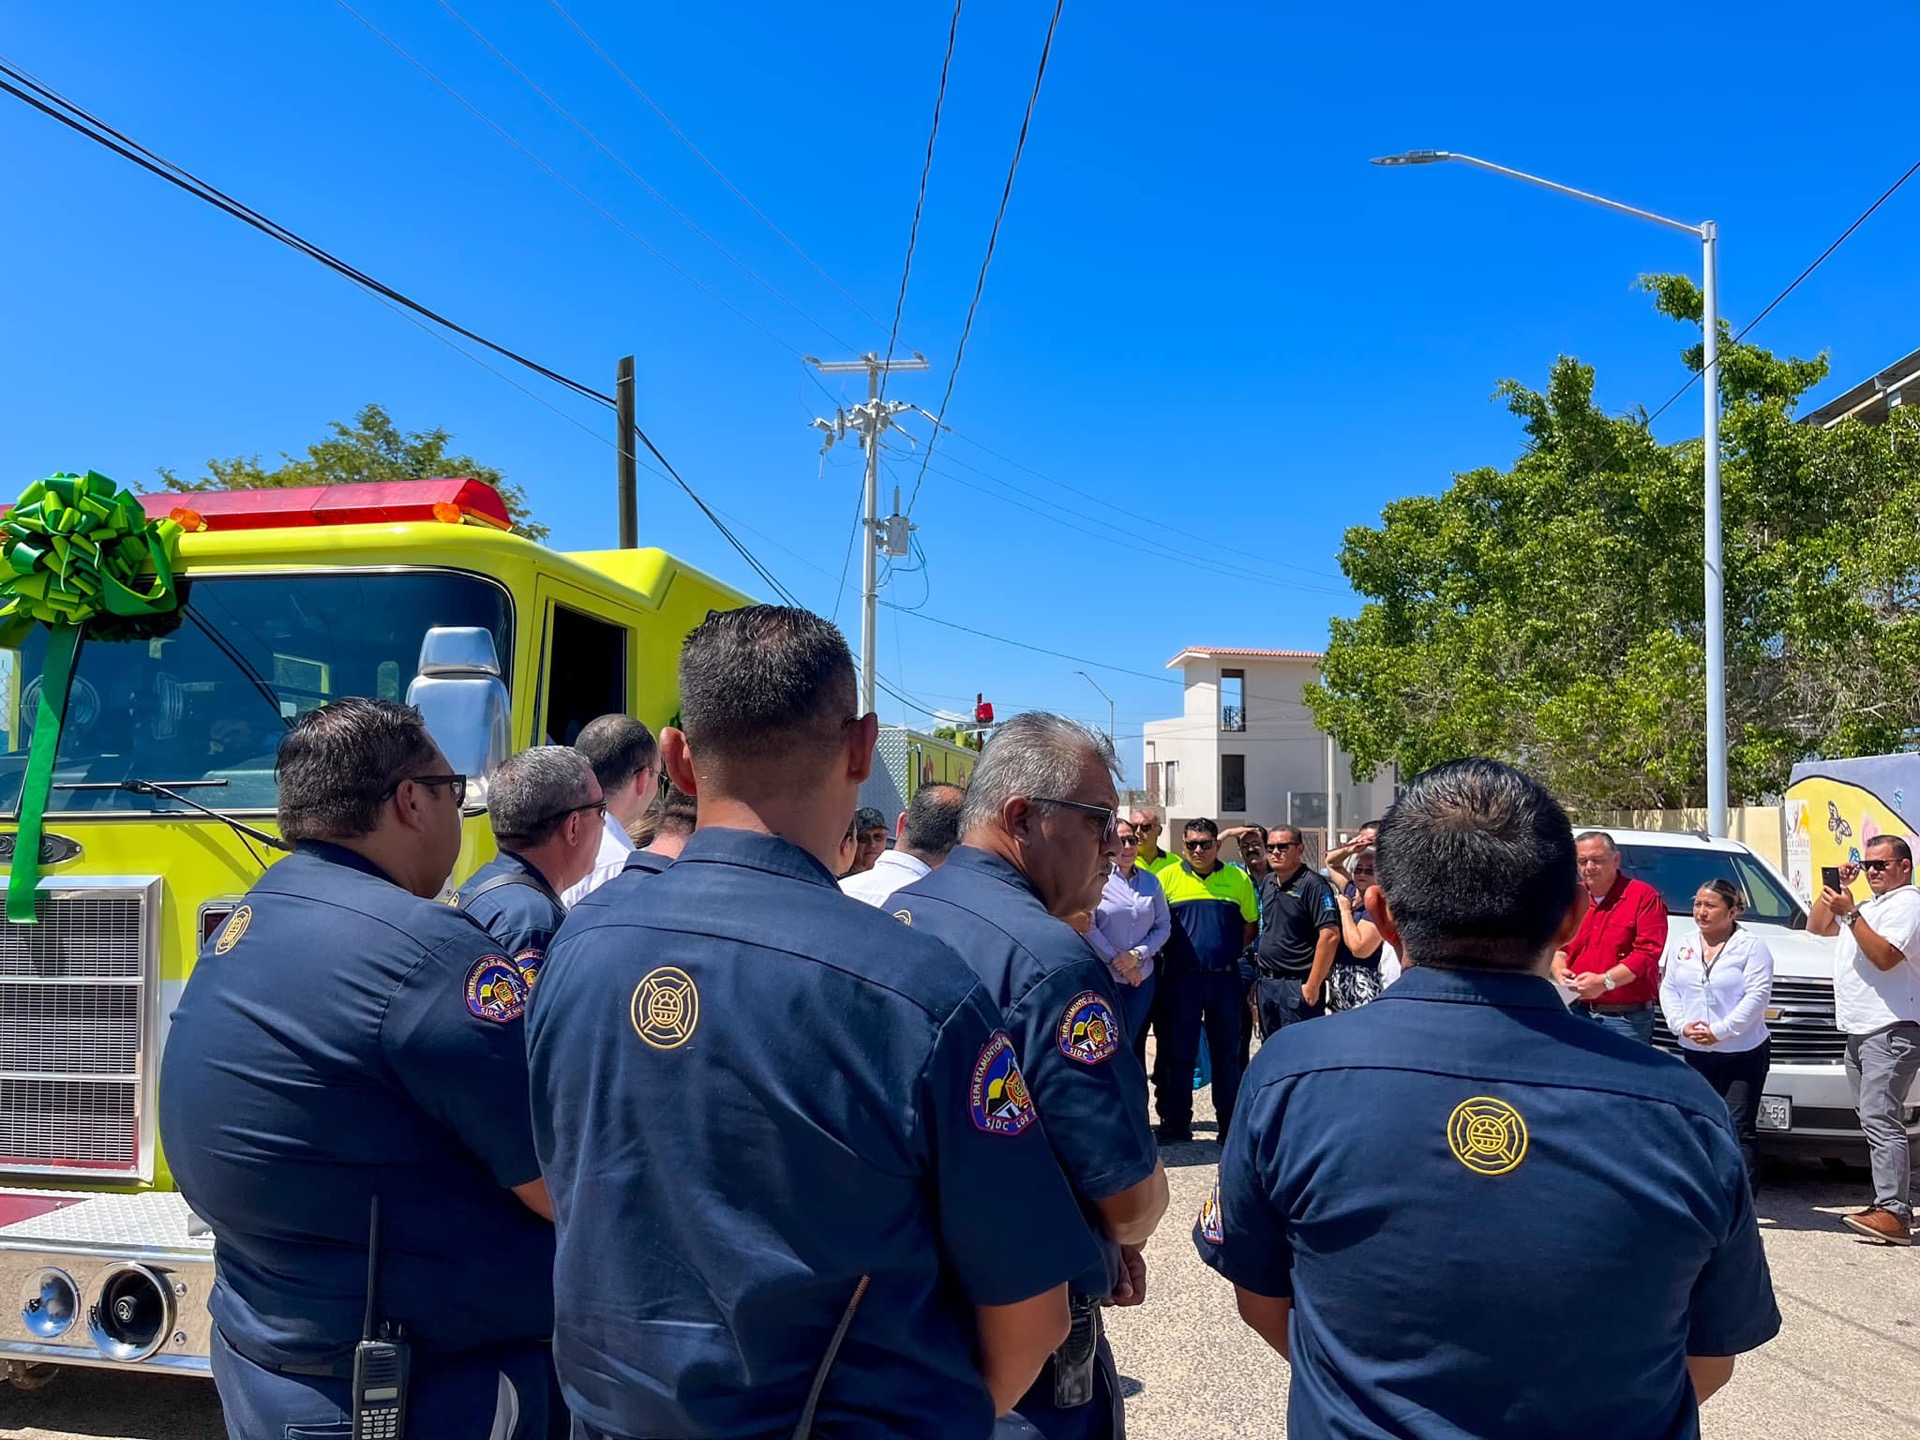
(1594, 1007)
(329, 1370)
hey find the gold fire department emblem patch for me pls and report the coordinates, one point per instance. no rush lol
(1487, 1135)
(235, 927)
(666, 1007)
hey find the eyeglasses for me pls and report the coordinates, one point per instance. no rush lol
(1109, 819)
(1286, 845)
(1201, 844)
(559, 815)
(1363, 870)
(456, 784)
(1874, 867)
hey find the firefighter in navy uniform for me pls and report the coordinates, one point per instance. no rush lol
(343, 1038)
(802, 1190)
(547, 815)
(1461, 1210)
(1038, 836)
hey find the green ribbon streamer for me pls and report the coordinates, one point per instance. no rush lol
(73, 548)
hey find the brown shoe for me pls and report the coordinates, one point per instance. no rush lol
(1881, 1225)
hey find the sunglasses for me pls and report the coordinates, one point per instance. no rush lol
(554, 819)
(1287, 845)
(1874, 867)
(1109, 820)
(1201, 844)
(456, 784)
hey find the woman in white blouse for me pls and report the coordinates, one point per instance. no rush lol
(1714, 994)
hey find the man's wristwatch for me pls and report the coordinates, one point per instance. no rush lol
(1609, 981)
(1849, 918)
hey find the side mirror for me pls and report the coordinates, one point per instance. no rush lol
(458, 689)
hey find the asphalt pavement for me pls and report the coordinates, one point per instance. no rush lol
(1847, 1360)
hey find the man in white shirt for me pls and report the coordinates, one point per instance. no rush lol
(626, 759)
(1876, 995)
(928, 830)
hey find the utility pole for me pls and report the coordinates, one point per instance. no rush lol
(1104, 696)
(629, 462)
(870, 421)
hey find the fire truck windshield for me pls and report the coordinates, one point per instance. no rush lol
(209, 699)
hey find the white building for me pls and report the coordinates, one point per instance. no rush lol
(1245, 749)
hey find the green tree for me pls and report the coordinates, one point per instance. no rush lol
(1550, 614)
(371, 448)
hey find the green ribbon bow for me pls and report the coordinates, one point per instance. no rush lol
(74, 547)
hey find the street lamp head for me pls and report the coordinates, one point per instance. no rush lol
(1413, 157)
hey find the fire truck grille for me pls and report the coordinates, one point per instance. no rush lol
(74, 1062)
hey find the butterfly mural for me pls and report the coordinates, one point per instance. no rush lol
(1837, 824)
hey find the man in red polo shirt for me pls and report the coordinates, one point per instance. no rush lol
(1612, 964)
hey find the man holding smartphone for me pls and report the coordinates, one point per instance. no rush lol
(1876, 994)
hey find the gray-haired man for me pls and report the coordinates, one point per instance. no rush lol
(545, 806)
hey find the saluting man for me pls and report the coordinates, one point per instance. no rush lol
(1038, 836)
(545, 807)
(345, 1037)
(799, 1177)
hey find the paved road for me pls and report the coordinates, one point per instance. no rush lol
(1847, 1361)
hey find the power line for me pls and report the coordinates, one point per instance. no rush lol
(993, 239)
(638, 179)
(700, 155)
(561, 180)
(1819, 260)
(1023, 645)
(920, 200)
(82, 122)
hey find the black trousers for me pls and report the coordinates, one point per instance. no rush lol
(1188, 1000)
(1738, 1078)
(1283, 1002)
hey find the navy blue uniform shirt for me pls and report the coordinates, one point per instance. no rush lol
(645, 862)
(1057, 997)
(1494, 1218)
(749, 1092)
(341, 1038)
(513, 902)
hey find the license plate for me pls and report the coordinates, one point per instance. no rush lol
(1776, 1112)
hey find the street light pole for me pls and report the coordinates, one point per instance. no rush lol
(1708, 234)
(1104, 696)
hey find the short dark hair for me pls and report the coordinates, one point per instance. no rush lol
(1899, 846)
(1601, 836)
(1203, 825)
(933, 819)
(1476, 861)
(338, 764)
(1290, 830)
(868, 818)
(618, 747)
(676, 811)
(766, 682)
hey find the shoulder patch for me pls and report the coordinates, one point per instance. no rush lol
(235, 927)
(528, 963)
(998, 1095)
(905, 917)
(496, 990)
(1088, 1032)
(1212, 1229)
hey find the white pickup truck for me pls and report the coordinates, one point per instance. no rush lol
(1806, 1108)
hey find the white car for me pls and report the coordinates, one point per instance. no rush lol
(1806, 1107)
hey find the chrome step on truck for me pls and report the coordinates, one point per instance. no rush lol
(105, 1280)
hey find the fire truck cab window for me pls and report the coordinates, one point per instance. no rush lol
(201, 706)
(586, 673)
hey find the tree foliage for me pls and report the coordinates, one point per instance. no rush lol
(371, 448)
(1550, 614)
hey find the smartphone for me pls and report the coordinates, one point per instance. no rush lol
(1830, 877)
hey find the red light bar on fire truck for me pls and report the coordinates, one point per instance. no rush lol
(382, 502)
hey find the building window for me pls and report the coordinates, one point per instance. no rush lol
(1233, 699)
(1233, 784)
(1153, 782)
(1170, 773)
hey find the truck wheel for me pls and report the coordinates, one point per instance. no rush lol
(24, 1375)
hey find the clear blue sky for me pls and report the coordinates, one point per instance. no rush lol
(1207, 310)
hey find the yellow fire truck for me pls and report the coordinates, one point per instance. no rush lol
(414, 591)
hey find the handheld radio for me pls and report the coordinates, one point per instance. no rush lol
(380, 1362)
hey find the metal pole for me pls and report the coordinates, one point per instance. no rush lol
(1104, 696)
(1716, 610)
(870, 547)
(1330, 797)
(629, 462)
